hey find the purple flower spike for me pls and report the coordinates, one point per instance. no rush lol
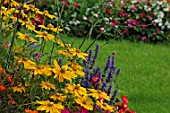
(118, 71)
(109, 89)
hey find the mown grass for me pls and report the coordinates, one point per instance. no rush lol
(144, 76)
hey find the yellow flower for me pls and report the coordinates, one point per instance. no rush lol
(49, 106)
(29, 6)
(78, 53)
(62, 73)
(58, 29)
(58, 96)
(45, 12)
(76, 90)
(25, 61)
(42, 26)
(19, 88)
(30, 26)
(65, 53)
(85, 102)
(59, 42)
(47, 85)
(12, 3)
(105, 106)
(4, 11)
(98, 94)
(75, 68)
(45, 35)
(25, 37)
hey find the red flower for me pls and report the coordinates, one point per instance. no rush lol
(108, 11)
(9, 78)
(113, 23)
(2, 88)
(76, 4)
(95, 79)
(124, 99)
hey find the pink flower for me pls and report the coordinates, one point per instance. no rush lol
(134, 8)
(113, 53)
(143, 26)
(108, 11)
(142, 15)
(143, 38)
(65, 111)
(76, 4)
(133, 22)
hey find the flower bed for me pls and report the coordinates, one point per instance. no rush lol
(135, 20)
(33, 80)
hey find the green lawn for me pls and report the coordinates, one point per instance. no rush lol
(145, 72)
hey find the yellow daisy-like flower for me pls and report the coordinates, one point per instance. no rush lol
(85, 102)
(49, 106)
(65, 53)
(29, 7)
(58, 29)
(58, 96)
(76, 90)
(4, 11)
(25, 61)
(47, 85)
(78, 53)
(105, 106)
(25, 37)
(75, 68)
(45, 35)
(19, 88)
(62, 73)
(30, 26)
(59, 42)
(45, 12)
(98, 94)
(12, 3)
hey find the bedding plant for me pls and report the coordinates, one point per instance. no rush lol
(62, 79)
(135, 20)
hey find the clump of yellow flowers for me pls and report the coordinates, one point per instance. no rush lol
(41, 84)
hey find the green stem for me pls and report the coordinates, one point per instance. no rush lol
(51, 52)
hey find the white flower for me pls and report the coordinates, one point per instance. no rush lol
(166, 9)
(96, 15)
(67, 28)
(162, 27)
(78, 22)
(74, 15)
(84, 18)
(70, 22)
(160, 23)
(159, 3)
(160, 14)
(106, 19)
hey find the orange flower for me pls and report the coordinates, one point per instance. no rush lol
(9, 78)
(168, 0)
(2, 88)
(30, 111)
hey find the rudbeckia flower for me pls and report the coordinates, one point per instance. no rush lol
(19, 88)
(62, 73)
(105, 106)
(49, 106)
(76, 90)
(25, 37)
(98, 94)
(85, 102)
(47, 85)
(45, 12)
(58, 96)
(45, 35)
